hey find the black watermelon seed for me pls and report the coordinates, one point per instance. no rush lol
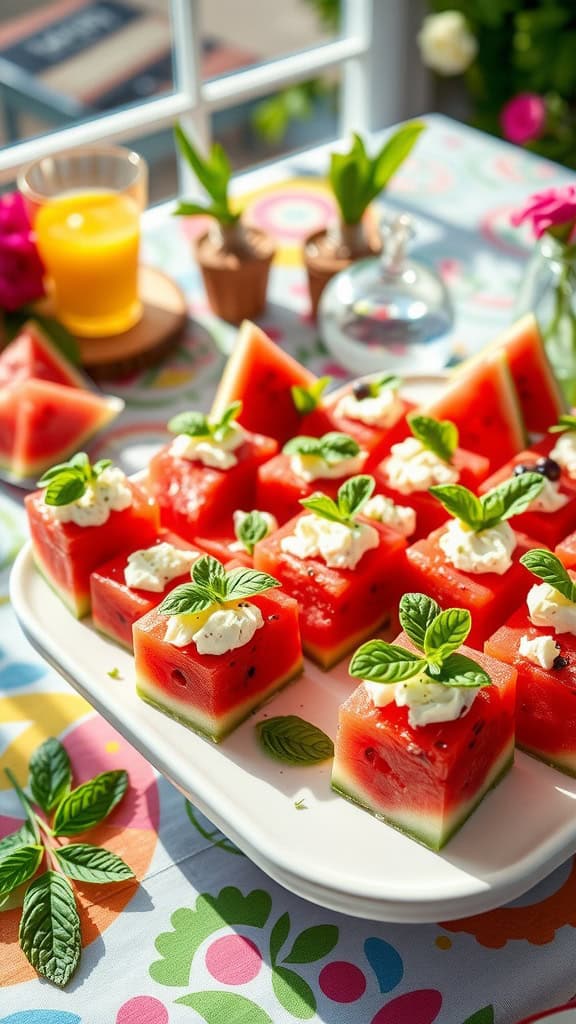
(560, 661)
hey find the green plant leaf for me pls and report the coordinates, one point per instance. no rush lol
(194, 424)
(25, 801)
(416, 612)
(323, 506)
(459, 670)
(278, 937)
(247, 582)
(212, 172)
(336, 446)
(99, 467)
(65, 488)
(50, 774)
(18, 866)
(394, 153)
(446, 633)
(219, 428)
(187, 599)
(50, 928)
(24, 836)
(461, 503)
(549, 568)
(294, 994)
(380, 662)
(216, 1007)
(292, 740)
(565, 422)
(353, 495)
(185, 208)
(90, 803)
(312, 944)
(209, 575)
(483, 1016)
(437, 436)
(87, 863)
(303, 445)
(510, 498)
(253, 527)
(307, 399)
(388, 380)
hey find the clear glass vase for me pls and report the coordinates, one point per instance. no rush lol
(549, 291)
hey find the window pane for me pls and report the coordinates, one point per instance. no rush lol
(240, 34)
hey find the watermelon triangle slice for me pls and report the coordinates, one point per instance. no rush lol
(482, 401)
(260, 374)
(33, 354)
(42, 423)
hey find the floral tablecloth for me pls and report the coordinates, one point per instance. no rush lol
(205, 935)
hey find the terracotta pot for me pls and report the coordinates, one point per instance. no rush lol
(235, 267)
(326, 253)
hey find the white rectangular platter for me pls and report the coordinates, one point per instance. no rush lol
(332, 853)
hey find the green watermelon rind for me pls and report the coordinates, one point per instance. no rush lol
(356, 794)
(79, 607)
(546, 757)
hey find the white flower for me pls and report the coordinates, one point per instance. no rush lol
(446, 43)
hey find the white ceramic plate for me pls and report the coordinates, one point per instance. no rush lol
(332, 853)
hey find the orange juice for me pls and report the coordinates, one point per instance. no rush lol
(89, 244)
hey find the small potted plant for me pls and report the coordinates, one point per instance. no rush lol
(234, 258)
(355, 179)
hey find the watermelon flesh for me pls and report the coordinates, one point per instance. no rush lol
(426, 781)
(545, 698)
(260, 375)
(210, 693)
(566, 551)
(482, 401)
(42, 423)
(33, 354)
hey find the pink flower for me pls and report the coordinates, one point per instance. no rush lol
(21, 271)
(553, 208)
(523, 118)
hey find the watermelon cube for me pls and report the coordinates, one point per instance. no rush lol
(279, 489)
(486, 595)
(546, 527)
(116, 606)
(66, 554)
(191, 496)
(338, 607)
(425, 780)
(566, 551)
(430, 514)
(372, 439)
(210, 693)
(545, 698)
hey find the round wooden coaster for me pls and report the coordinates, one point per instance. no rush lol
(164, 313)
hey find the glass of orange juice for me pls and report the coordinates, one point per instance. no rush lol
(85, 206)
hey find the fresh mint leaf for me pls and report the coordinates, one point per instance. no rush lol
(50, 774)
(194, 424)
(565, 422)
(459, 670)
(293, 740)
(381, 662)
(29, 811)
(437, 436)
(461, 503)
(353, 495)
(323, 506)
(303, 445)
(99, 467)
(307, 399)
(446, 633)
(65, 488)
(24, 836)
(18, 866)
(336, 446)
(247, 582)
(252, 528)
(81, 461)
(416, 612)
(187, 599)
(387, 381)
(549, 568)
(88, 804)
(510, 498)
(221, 427)
(87, 863)
(209, 575)
(50, 928)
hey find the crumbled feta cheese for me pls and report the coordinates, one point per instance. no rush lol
(542, 650)
(219, 631)
(398, 517)
(204, 449)
(486, 551)
(110, 492)
(427, 702)
(550, 498)
(381, 410)
(152, 568)
(339, 545)
(411, 467)
(313, 467)
(564, 452)
(548, 607)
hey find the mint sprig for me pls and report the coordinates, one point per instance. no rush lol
(49, 931)
(68, 481)
(509, 499)
(307, 399)
(565, 422)
(377, 385)
(549, 568)
(331, 448)
(252, 528)
(352, 496)
(212, 586)
(196, 424)
(437, 436)
(437, 635)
